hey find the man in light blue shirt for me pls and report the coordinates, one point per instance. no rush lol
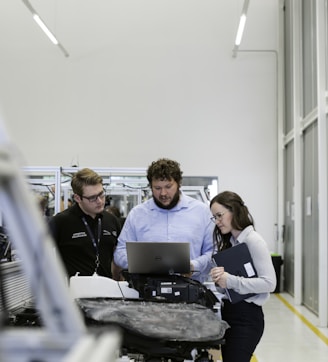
(170, 215)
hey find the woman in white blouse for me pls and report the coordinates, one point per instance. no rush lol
(234, 225)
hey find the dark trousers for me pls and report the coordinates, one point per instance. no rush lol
(246, 322)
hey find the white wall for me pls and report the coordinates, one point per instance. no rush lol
(147, 79)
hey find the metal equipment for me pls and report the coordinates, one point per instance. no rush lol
(64, 336)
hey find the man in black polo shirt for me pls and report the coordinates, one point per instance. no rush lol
(84, 234)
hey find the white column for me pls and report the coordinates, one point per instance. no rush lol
(321, 36)
(297, 91)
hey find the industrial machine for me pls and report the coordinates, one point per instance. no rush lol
(63, 337)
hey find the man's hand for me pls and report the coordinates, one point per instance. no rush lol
(116, 272)
(189, 275)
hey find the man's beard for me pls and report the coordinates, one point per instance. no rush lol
(171, 205)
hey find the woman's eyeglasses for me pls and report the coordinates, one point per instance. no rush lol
(217, 216)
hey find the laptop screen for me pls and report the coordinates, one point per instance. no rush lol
(164, 258)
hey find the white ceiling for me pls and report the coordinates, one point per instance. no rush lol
(140, 73)
(87, 26)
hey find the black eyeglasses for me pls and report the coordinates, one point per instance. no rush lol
(94, 198)
(217, 216)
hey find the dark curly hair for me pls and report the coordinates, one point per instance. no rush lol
(241, 217)
(164, 169)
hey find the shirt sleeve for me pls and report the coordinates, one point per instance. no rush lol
(202, 260)
(265, 282)
(127, 234)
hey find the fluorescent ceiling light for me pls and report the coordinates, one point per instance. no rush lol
(241, 28)
(44, 27)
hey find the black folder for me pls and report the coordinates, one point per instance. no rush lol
(236, 260)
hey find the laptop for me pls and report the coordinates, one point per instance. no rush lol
(236, 260)
(161, 258)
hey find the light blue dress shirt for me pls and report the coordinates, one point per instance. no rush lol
(188, 221)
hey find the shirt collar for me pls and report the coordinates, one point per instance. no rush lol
(242, 236)
(80, 212)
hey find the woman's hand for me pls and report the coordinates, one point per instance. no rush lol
(219, 276)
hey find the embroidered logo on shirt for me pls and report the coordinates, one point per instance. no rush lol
(81, 234)
(108, 233)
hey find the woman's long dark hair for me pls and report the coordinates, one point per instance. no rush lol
(241, 218)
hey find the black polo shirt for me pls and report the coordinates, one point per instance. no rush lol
(75, 244)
